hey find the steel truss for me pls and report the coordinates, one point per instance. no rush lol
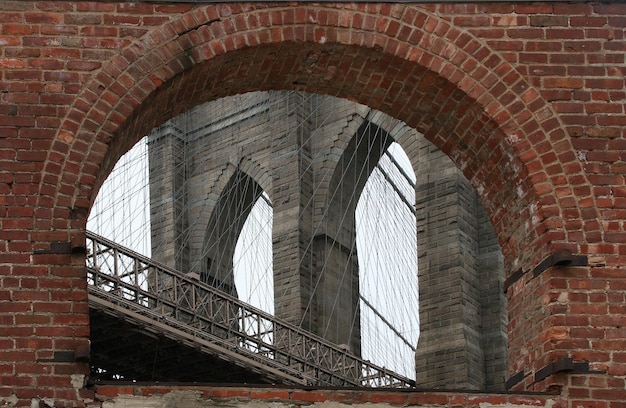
(135, 288)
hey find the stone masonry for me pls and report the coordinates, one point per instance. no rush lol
(308, 148)
(462, 303)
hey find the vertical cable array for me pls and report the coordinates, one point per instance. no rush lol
(121, 210)
(387, 241)
(253, 258)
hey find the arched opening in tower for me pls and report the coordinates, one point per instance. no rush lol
(387, 246)
(252, 260)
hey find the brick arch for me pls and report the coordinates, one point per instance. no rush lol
(399, 59)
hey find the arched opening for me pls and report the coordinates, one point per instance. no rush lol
(228, 217)
(252, 259)
(316, 169)
(386, 237)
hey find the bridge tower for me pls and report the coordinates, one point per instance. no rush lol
(463, 314)
(267, 142)
(311, 156)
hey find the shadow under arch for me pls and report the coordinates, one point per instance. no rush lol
(223, 230)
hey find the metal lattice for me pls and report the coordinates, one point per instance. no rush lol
(127, 284)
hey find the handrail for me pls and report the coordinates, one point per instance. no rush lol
(136, 283)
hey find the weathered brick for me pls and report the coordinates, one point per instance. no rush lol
(571, 52)
(549, 21)
(309, 396)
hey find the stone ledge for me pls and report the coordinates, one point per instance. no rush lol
(192, 396)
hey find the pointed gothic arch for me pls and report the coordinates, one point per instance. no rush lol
(223, 230)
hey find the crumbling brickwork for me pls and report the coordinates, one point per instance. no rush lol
(527, 99)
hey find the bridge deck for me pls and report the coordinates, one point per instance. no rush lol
(136, 350)
(180, 324)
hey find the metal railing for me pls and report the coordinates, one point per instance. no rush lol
(130, 283)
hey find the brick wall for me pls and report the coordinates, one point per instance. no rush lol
(526, 98)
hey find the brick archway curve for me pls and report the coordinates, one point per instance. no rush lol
(399, 59)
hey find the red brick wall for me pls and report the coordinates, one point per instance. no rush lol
(527, 99)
